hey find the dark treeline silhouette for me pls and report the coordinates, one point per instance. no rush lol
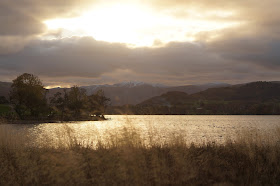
(29, 102)
(76, 105)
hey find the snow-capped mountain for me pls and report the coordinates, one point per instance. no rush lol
(131, 84)
(134, 92)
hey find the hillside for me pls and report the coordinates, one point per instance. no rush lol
(5, 89)
(135, 93)
(255, 91)
(250, 98)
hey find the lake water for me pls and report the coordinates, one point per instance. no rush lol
(152, 129)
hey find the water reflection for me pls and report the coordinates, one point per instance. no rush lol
(151, 129)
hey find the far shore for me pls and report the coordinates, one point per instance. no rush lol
(4, 121)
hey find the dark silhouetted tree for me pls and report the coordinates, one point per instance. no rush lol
(60, 103)
(77, 100)
(28, 96)
(97, 103)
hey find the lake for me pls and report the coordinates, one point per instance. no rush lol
(150, 128)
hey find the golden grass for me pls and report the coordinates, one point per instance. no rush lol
(125, 159)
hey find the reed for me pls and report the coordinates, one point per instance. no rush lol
(126, 159)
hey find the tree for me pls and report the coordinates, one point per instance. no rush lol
(60, 102)
(77, 99)
(28, 96)
(98, 103)
(75, 104)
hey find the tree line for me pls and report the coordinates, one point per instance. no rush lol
(29, 101)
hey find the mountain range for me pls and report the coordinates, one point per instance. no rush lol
(127, 92)
(137, 92)
(249, 98)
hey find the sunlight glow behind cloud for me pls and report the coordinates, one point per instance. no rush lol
(139, 26)
(165, 41)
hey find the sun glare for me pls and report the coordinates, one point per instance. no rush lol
(135, 26)
(52, 86)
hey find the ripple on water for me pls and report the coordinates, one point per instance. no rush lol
(153, 129)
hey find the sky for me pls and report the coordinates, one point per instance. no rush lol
(172, 42)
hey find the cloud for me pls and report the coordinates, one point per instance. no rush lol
(22, 20)
(245, 53)
(258, 18)
(84, 60)
(75, 56)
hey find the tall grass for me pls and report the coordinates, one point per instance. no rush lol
(126, 159)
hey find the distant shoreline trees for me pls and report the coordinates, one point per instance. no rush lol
(28, 97)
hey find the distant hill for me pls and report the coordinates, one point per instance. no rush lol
(5, 88)
(255, 91)
(250, 98)
(137, 92)
(127, 93)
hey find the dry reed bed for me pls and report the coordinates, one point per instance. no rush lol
(126, 160)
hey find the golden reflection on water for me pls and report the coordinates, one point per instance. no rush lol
(150, 129)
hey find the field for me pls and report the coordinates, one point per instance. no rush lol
(127, 160)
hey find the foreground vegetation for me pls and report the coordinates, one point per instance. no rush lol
(127, 160)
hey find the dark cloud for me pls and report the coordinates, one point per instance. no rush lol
(84, 60)
(268, 58)
(262, 49)
(86, 57)
(67, 57)
(22, 20)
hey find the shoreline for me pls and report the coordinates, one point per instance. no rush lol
(27, 122)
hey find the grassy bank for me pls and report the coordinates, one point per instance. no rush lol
(126, 160)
